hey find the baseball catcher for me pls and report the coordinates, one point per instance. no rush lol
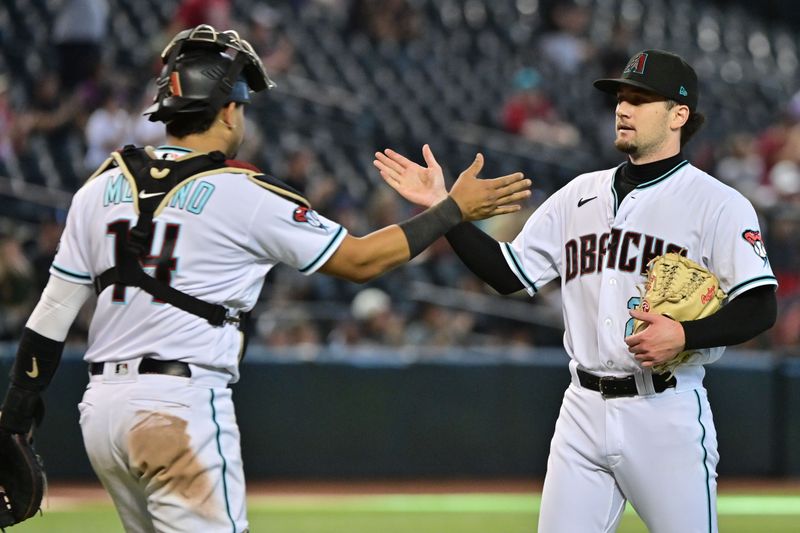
(682, 290)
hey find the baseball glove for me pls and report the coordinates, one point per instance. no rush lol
(682, 290)
(22, 479)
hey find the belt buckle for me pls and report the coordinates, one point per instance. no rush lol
(606, 381)
(601, 384)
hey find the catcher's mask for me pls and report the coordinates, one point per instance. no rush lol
(200, 74)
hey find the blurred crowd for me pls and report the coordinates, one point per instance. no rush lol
(82, 108)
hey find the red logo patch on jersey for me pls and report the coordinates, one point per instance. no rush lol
(754, 238)
(646, 306)
(308, 216)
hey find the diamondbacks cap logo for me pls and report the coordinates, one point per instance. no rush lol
(636, 64)
(683, 91)
(307, 216)
(754, 238)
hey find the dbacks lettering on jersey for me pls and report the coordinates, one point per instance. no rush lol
(617, 250)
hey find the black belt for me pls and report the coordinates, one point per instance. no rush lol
(148, 366)
(616, 387)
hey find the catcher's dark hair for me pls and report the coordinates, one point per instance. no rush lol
(190, 123)
(693, 123)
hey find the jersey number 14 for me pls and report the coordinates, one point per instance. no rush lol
(164, 263)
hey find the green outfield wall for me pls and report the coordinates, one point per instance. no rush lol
(454, 415)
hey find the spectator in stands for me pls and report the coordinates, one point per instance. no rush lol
(50, 230)
(786, 333)
(267, 35)
(566, 46)
(296, 330)
(52, 115)
(191, 13)
(16, 287)
(784, 240)
(376, 322)
(772, 143)
(301, 168)
(386, 20)
(79, 31)
(143, 131)
(435, 326)
(529, 112)
(9, 130)
(108, 127)
(740, 165)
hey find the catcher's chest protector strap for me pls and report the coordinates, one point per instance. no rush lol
(153, 181)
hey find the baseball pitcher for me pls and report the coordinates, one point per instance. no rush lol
(642, 251)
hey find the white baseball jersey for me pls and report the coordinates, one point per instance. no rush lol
(216, 240)
(600, 248)
(656, 451)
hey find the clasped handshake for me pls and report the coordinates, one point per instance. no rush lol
(476, 198)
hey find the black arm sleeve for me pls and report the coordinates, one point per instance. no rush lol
(482, 255)
(751, 313)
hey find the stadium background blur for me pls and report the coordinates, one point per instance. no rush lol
(509, 78)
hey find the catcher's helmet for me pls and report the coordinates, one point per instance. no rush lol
(199, 73)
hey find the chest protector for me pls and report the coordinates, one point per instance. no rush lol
(152, 183)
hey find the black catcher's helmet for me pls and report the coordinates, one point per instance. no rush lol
(200, 74)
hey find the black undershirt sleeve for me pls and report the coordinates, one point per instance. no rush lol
(483, 256)
(749, 314)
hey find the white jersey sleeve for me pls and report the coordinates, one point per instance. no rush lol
(735, 250)
(294, 235)
(535, 254)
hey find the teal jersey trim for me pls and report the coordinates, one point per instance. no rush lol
(79, 275)
(663, 176)
(734, 290)
(335, 240)
(177, 148)
(518, 266)
(705, 458)
(224, 463)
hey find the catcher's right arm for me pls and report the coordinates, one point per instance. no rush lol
(682, 290)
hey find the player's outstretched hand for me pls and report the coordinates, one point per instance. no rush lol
(484, 198)
(419, 185)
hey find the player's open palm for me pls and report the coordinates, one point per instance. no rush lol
(484, 198)
(419, 185)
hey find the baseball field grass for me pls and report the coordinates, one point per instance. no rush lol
(415, 513)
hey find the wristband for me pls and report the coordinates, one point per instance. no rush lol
(422, 230)
(36, 362)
